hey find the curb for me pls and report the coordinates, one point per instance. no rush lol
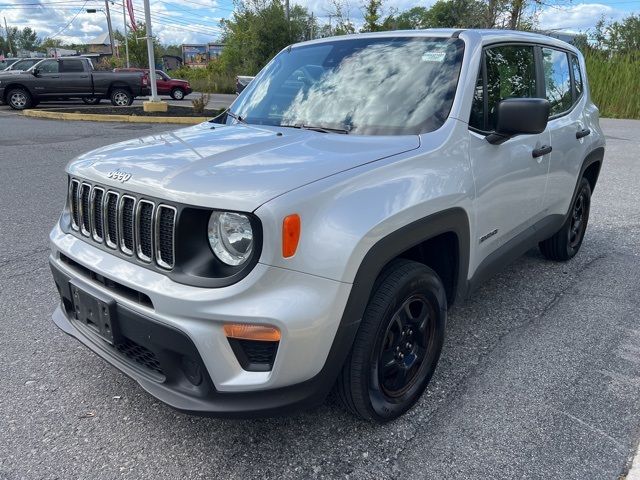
(96, 117)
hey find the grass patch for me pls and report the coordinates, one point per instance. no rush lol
(615, 83)
(207, 81)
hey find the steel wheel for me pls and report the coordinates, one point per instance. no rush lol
(578, 219)
(406, 342)
(178, 94)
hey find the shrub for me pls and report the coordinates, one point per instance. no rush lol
(200, 103)
(615, 82)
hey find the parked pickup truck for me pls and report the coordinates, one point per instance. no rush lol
(64, 78)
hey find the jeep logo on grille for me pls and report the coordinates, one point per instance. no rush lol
(120, 176)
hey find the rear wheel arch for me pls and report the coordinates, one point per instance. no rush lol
(591, 167)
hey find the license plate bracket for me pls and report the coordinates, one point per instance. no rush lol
(95, 312)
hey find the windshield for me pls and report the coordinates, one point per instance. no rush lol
(369, 86)
(24, 64)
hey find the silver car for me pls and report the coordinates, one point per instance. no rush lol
(314, 236)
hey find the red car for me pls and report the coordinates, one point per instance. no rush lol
(178, 89)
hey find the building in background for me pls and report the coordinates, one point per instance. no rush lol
(55, 52)
(102, 46)
(195, 55)
(214, 50)
(198, 55)
(171, 62)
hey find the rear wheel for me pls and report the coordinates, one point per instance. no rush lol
(19, 99)
(398, 344)
(91, 100)
(567, 241)
(121, 97)
(177, 94)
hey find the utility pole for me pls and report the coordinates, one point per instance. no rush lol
(6, 29)
(106, 5)
(126, 40)
(313, 24)
(288, 14)
(152, 61)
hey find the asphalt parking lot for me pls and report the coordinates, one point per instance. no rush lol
(539, 377)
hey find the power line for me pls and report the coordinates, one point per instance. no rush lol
(70, 21)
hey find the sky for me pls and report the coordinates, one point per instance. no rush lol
(197, 21)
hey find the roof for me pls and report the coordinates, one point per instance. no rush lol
(482, 36)
(102, 39)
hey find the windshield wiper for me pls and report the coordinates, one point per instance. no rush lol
(237, 118)
(343, 131)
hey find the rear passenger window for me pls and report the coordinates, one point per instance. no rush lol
(577, 75)
(557, 80)
(511, 73)
(71, 66)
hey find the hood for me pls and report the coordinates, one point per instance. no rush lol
(236, 167)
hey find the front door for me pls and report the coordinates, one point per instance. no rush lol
(511, 177)
(48, 84)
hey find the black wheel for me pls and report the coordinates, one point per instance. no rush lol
(121, 97)
(177, 94)
(566, 242)
(19, 99)
(398, 344)
(91, 100)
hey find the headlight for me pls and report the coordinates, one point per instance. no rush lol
(231, 237)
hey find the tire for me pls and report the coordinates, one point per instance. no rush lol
(566, 242)
(398, 344)
(91, 100)
(121, 97)
(19, 99)
(177, 94)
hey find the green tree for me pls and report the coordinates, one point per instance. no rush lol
(27, 39)
(624, 36)
(257, 31)
(372, 11)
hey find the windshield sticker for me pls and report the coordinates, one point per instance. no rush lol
(437, 57)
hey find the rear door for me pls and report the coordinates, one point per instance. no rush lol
(76, 81)
(510, 179)
(564, 90)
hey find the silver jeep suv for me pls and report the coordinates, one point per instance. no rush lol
(314, 235)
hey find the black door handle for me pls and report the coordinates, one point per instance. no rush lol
(582, 133)
(538, 152)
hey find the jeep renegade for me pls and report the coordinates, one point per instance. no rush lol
(314, 235)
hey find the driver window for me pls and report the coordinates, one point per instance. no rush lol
(50, 66)
(511, 73)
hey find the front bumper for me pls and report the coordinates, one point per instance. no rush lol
(185, 321)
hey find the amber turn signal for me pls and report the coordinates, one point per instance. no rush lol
(290, 235)
(244, 331)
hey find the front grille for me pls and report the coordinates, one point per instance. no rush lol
(122, 221)
(125, 216)
(85, 214)
(140, 355)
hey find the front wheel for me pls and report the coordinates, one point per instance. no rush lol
(121, 97)
(566, 242)
(177, 94)
(19, 99)
(398, 344)
(91, 100)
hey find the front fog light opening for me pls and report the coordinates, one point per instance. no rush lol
(255, 346)
(230, 237)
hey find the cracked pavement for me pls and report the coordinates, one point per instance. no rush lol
(539, 376)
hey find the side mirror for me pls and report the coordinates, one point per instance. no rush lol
(519, 116)
(35, 72)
